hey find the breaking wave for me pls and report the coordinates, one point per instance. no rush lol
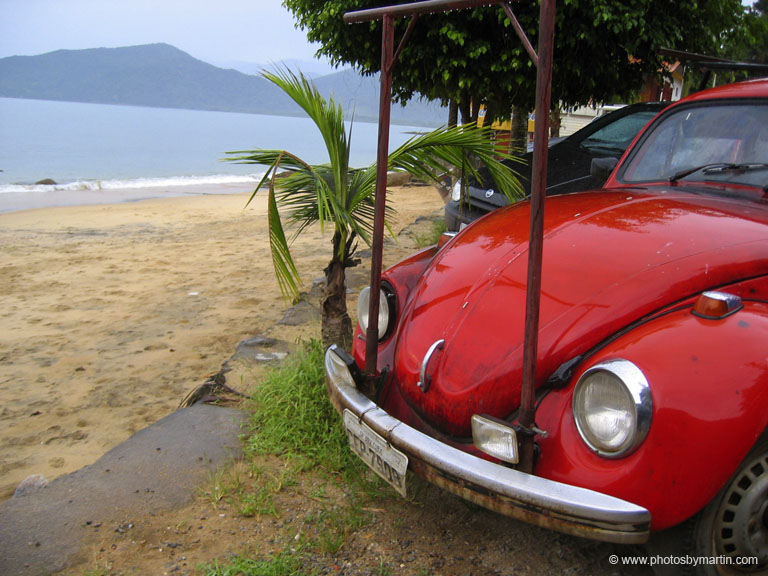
(133, 184)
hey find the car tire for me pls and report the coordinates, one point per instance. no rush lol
(731, 527)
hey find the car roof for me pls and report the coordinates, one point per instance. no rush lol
(747, 89)
(601, 121)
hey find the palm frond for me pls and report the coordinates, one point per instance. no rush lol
(361, 211)
(427, 156)
(327, 115)
(344, 197)
(265, 158)
(287, 275)
(273, 159)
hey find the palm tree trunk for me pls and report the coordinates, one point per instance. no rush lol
(555, 122)
(519, 136)
(336, 323)
(453, 114)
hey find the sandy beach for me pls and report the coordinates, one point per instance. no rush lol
(112, 313)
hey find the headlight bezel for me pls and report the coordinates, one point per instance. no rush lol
(639, 405)
(387, 309)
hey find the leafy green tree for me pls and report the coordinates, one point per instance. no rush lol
(750, 43)
(603, 47)
(340, 196)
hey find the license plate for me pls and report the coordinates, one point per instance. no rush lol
(386, 461)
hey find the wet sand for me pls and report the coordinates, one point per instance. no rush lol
(112, 313)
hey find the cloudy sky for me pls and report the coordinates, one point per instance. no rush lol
(215, 31)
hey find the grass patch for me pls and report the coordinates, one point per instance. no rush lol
(283, 564)
(334, 525)
(431, 235)
(293, 420)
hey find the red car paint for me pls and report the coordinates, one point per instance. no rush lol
(622, 269)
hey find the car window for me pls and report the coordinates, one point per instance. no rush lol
(702, 135)
(618, 135)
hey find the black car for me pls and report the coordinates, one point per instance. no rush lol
(569, 163)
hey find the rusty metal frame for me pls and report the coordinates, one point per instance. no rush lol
(543, 62)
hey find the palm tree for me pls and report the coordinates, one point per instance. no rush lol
(341, 196)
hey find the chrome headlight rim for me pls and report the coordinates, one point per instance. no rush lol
(638, 390)
(387, 310)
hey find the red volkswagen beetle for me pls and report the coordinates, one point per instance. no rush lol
(652, 370)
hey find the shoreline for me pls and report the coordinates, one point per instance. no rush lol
(113, 313)
(56, 198)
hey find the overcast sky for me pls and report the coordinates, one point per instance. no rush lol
(216, 31)
(259, 31)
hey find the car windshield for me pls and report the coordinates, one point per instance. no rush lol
(717, 142)
(619, 134)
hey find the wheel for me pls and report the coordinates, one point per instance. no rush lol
(729, 530)
(735, 525)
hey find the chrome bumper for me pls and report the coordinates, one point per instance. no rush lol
(539, 501)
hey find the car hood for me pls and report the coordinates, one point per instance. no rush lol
(610, 258)
(568, 170)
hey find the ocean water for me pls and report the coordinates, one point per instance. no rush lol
(97, 147)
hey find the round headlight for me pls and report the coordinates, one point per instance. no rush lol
(456, 192)
(363, 305)
(612, 408)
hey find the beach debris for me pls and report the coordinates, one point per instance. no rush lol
(124, 527)
(30, 484)
(213, 391)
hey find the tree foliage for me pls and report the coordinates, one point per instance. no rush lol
(750, 43)
(603, 47)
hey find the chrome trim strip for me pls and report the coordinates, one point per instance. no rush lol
(732, 301)
(554, 505)
(424, 380)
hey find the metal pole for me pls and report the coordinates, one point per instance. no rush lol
(536, 243)
(387, 14)
(411, 8)
(539, 177)
(521, 33)
(382, 161)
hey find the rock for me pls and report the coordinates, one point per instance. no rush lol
(194, 442)
(258, 342)
(398, 178)
(300, 314)
(318, 287)
(30, 484)
(261, 349)
(46, 182)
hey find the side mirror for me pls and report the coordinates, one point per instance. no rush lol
(601, 168)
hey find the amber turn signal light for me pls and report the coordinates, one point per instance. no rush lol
(716, 305)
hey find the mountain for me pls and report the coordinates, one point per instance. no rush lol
(359, 96)
(310, 69)
(159, 75)
(155, 75)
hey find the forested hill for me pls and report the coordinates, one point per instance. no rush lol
(159, 75)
